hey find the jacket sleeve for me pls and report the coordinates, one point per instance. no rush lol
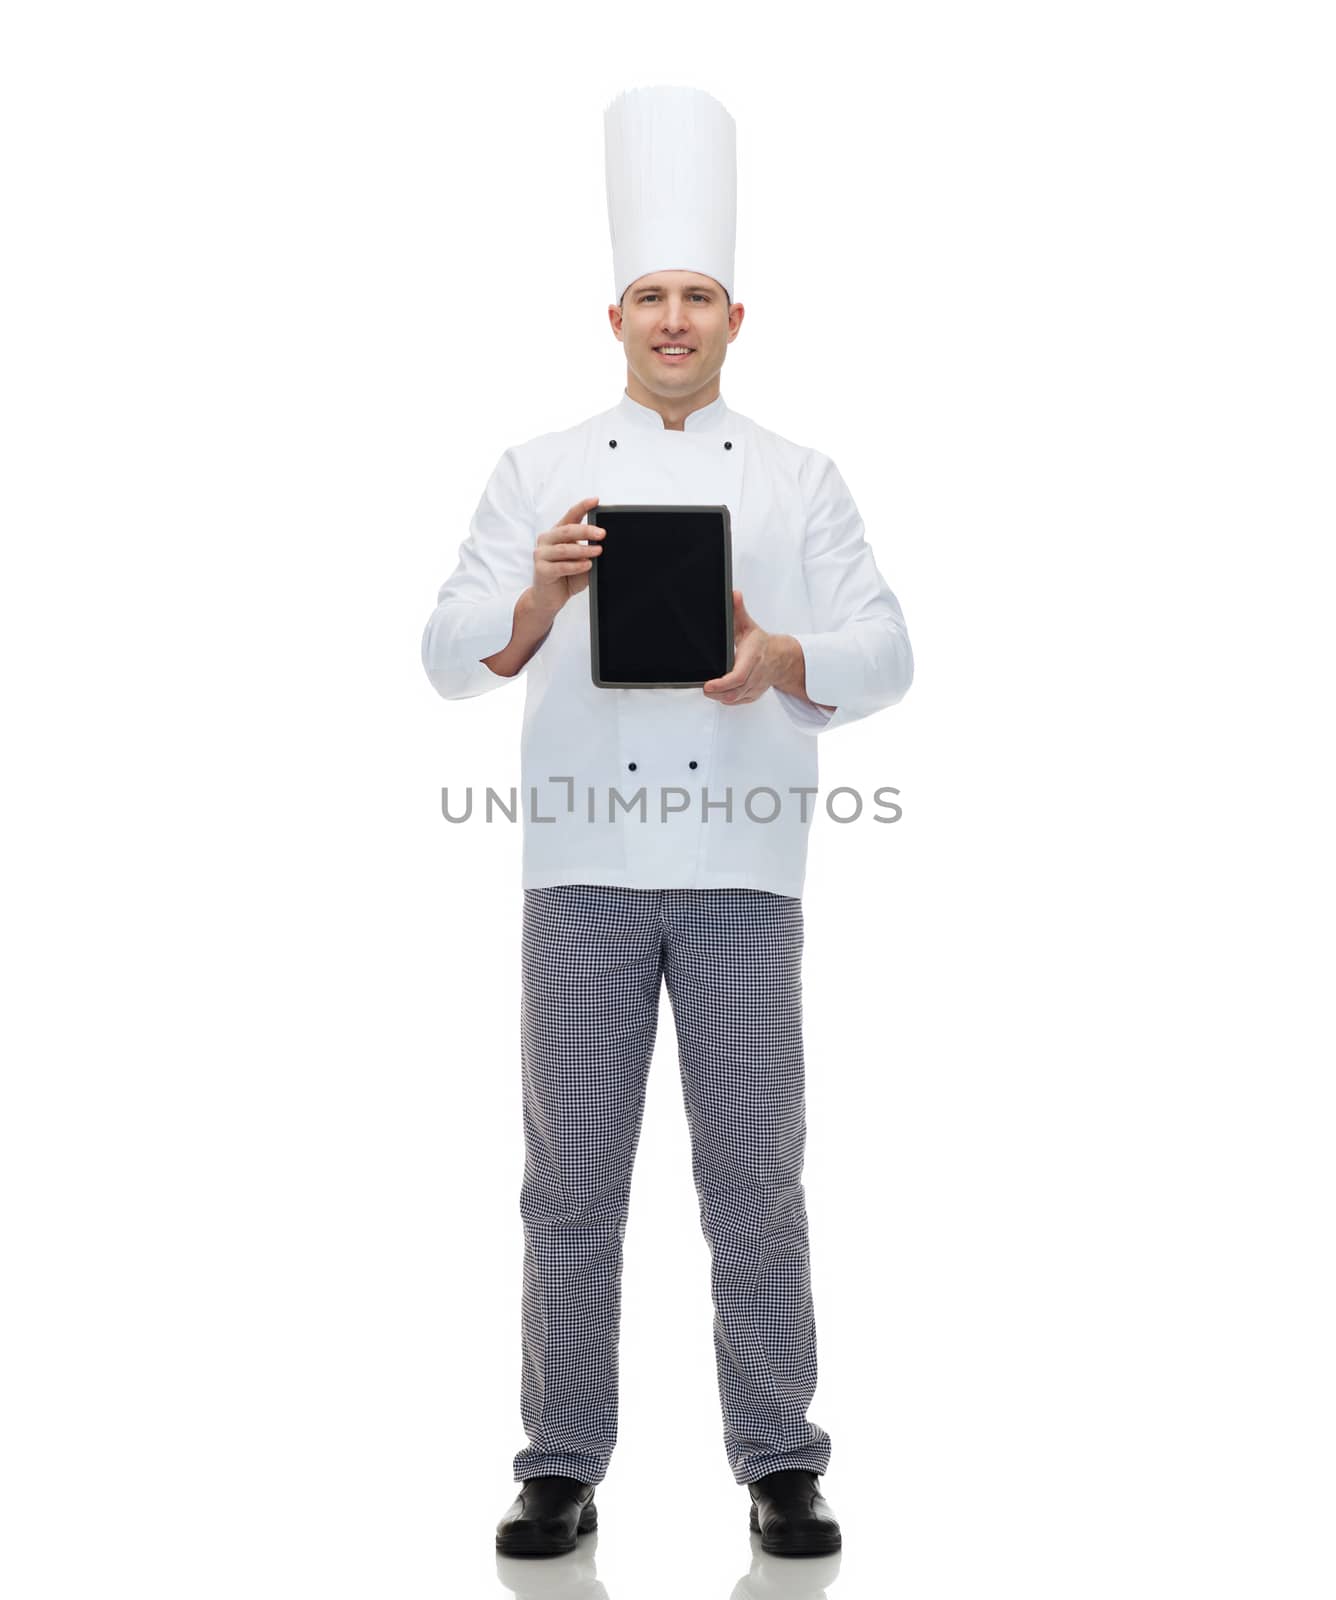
(475, 608)
(857, 656)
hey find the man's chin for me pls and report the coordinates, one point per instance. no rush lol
(669, 380)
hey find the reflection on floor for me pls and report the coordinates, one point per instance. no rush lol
(575, 1576)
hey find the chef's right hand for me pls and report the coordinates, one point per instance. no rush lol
(561, 564)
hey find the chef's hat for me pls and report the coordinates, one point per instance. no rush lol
(671, 157)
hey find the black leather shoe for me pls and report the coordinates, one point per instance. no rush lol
(547, 1517)
(791, 1515)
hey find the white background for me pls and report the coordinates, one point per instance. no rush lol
(1052, 285)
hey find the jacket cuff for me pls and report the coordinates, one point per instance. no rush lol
(489, 626)
(808, 718)
(481, 629)
(832, 668)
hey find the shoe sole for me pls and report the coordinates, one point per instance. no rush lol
(796, 1544)
(526, 1540)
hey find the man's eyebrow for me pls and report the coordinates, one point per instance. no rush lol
(690, 288)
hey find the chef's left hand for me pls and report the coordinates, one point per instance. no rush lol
(758, 660)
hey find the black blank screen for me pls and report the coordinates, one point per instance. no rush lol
(661, 590)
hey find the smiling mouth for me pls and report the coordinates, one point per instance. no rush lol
(674, 352)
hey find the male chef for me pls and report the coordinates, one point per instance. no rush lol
(686, 877)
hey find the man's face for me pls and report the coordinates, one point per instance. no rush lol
(675, 310)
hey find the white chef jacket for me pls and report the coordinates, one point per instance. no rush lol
(694, 779)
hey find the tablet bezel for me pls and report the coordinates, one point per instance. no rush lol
(592, 517)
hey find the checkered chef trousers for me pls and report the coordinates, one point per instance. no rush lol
(594, 957)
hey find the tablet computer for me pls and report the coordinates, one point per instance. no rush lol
(661, 597)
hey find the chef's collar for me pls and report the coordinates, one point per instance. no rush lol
(699, 421)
